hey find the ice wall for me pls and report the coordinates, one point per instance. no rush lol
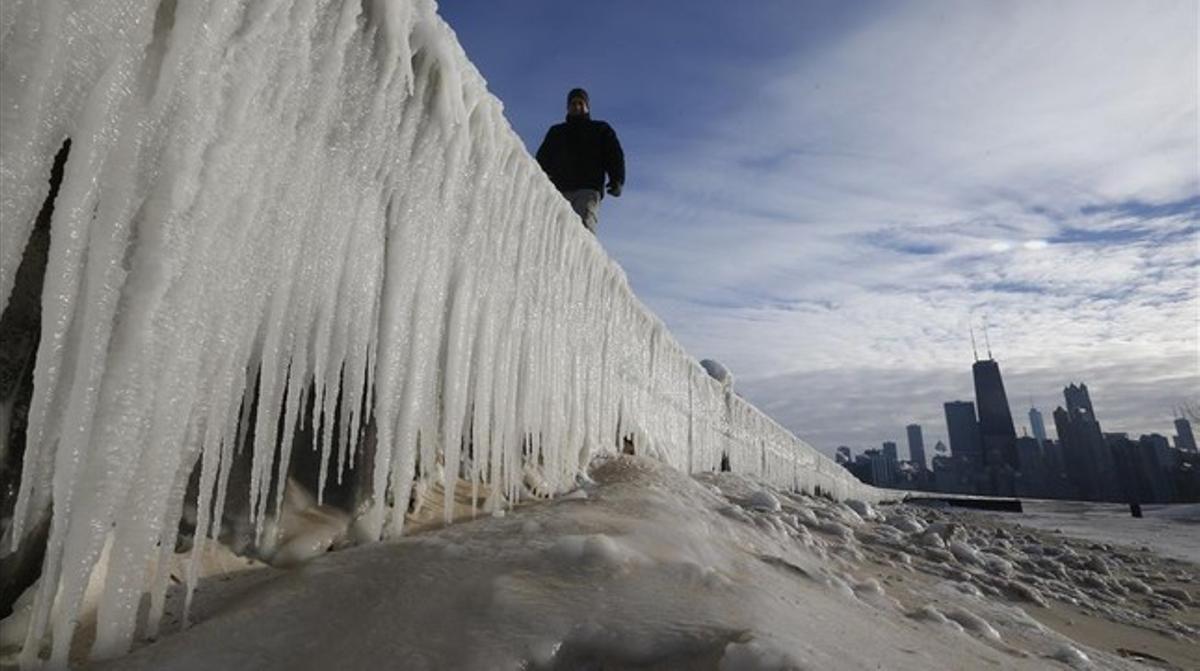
(317, 200)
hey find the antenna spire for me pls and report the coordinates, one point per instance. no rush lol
(974, 349)
(985, 339)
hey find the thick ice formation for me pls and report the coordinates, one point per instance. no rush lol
(657, 570)
(279, 202)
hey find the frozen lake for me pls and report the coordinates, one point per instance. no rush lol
(1171, 530)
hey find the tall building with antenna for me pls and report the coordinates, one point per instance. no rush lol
(995, 418)
(996, 430)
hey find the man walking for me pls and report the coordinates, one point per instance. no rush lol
(577, 155)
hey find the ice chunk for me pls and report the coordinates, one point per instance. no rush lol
(840, 586)
(931, 540)
(964, 553)
(764, 500)
(1026, 593)
(929, 613)
(973, 623)
(994, 564)
(1098, 564)
(869, 587)
(755, 655)
(905, 523)
(837, 529)
(807, 517)
(1071, 656)
(849, 515)
(864, 509)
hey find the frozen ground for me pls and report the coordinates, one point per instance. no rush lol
(1169, 530)
(647, 568)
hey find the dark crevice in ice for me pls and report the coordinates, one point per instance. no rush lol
(20, 331)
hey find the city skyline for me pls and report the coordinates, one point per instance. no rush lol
(1084, 462)
(1119, 414)
(932, 438)
(933, 425)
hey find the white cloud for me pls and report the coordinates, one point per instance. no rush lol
(928, 170)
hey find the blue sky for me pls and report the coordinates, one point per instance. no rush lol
(825, 195)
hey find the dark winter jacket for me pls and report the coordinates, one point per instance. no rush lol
(576, 154)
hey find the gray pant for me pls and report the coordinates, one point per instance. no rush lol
(586, 203)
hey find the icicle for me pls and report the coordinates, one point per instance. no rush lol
(454, 391)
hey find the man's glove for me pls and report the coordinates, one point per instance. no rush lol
(614, 189)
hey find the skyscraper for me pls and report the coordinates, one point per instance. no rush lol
(963, 430)
(996, 430)
(1184, 440)
(1033, 466)
(1078, 400)
(1037, 425)
(1087, 456)
(1077, 466)
(889, 452)
(1157, 461)
(881, 468)
(916, 446)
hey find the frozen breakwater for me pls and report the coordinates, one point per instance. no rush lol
(280, 215)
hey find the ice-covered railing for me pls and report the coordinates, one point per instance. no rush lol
(295, 202)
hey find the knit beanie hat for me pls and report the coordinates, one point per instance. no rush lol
(578, 93)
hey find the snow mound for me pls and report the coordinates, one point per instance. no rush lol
(764, 500)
